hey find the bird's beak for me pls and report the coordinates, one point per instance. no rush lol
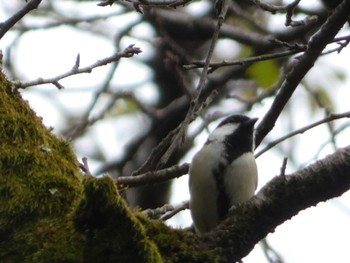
(251, 122)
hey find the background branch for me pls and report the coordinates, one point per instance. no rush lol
(315, 47)
(9, 23)
(126, 53)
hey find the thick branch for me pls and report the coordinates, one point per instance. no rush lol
(315, 47)
(280, 200)
(9, 23)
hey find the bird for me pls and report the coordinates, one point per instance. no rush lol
(223, 173)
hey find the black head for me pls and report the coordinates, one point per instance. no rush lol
(237, 134)
(238, 119)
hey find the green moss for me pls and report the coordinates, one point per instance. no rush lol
(49, 213)
(112, 232)
(53, 240)
(39, 180)
(177, 245)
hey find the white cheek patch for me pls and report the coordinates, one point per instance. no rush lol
(220, 133)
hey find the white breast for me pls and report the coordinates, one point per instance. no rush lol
(241, 179)
(203, 188)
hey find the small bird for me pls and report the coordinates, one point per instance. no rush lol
(223, 173)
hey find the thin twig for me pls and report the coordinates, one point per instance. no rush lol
(72, 21)
(332, 117)
(128, 52)
(82, 124)
(284, 166)
(157, 212)
(85, 167)
(288, 9)
(328, 111)
(150, 3)
(160, 115)
(176, 209)
(245, 61)
(340, 129)
(204, 74)
(247, 16)
(249, 103)
(271, 254)
(179, 137)
(166, 212)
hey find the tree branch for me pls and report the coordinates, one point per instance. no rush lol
(154, 177)
(9, 23)
(127, 52)
(281, 199)
(244, 61)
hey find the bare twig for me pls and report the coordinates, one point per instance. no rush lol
(165, 212)
(175, 138)
(273, 9)
(246, 15)
(150, 3)
(9, 23)
(332, 117)
(85, 120)
(271, 254)
(288, 9)
(340, 129)
(221, 16)
(294, 49)
(82, 124)
(249, 103)
(176, 209)
(328, 111)
(157, 212)
(128, 52)
(180, 131)
(245, 61)
(85, 166)
(63, 20)
(154, 177)
(284, 166)
(131, 149)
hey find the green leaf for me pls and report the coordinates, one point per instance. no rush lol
(265, 73)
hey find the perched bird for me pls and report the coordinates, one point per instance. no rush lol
(223, 173)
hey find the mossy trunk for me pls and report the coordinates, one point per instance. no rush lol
(48, 211)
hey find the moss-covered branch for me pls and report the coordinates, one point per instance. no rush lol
(280, 200)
